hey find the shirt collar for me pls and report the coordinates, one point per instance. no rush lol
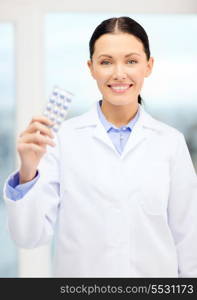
(107, 125)
(91, 119)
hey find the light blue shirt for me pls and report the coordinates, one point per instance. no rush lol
(119, 137)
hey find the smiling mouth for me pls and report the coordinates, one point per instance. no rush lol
(120, 89)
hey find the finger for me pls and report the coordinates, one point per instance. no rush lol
(31, 146)
(42, 119)
(36, 126)
(37, 139)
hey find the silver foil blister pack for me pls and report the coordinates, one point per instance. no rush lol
(57, 107)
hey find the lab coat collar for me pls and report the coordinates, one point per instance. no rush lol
(91, 119)
(140, 131)
(108, 125)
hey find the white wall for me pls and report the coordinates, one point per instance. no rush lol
(132, 6)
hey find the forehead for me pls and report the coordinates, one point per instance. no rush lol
(118, 43)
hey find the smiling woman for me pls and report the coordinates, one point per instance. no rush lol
(119, 62)
(120, 183)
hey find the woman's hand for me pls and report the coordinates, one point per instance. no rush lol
(31, 146)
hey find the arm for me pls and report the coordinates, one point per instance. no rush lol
(31, 219)
(15, 191)
(182, 209)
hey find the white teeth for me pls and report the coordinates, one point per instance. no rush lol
(120, 87)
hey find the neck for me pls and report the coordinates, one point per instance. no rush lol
(119, 115)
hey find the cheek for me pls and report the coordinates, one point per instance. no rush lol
(102, 77)
(101, 83)
(137, 74)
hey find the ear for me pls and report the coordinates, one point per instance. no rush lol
(149, 67)
(90, 66)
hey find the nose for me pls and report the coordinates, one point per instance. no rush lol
(119, 72)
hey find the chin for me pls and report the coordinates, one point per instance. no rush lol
(121, 102)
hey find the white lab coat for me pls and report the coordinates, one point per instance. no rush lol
(129, 215)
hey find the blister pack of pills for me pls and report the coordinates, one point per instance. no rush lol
(57, 107)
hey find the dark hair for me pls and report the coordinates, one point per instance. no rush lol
(121, 24)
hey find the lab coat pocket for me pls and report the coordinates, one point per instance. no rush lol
(154, 192)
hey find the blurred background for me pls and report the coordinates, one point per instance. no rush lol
(45, 43)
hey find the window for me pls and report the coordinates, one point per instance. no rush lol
(8, 260)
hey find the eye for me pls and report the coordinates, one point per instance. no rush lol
(105, 62)
(132, 61)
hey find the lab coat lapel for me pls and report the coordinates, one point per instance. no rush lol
(91, 119)
(101, 135)
(137, 137)
(140, 132)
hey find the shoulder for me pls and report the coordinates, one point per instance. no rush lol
(162, 128)
(73, 122)
(165, 137)
(167, 129)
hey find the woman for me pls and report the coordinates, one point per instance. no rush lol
(119, 184)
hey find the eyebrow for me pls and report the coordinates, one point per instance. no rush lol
(132, 53)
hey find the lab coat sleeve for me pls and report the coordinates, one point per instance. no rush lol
(31, 220)
(182, 209)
